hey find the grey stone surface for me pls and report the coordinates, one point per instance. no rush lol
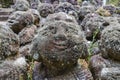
(67, 8)
(13, 69)
(21, 5)
(61, 16)
(110, 42)
(59, 45)
(9, 42)
(27, 34)
(93, 24)
(45, 9)
(19, 20)
(112, 73)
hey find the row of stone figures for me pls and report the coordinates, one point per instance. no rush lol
(61, 42)
(9, 3)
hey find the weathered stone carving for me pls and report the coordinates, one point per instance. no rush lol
(67, 8)
(110, 42)
(106, 65)
(19, 20)
(9, 43)
(13, 69)
(58, 46)
(45, 9)
(27, 34)
(93, 24)
(36, 16)
(61, 16)
(21, 5)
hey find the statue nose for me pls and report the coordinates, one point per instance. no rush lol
(60, 37)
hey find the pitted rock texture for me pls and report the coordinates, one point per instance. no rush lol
(34, 3)
(59, 45)
(61, 16)
(67, 8)
(96, 64)
(104, 69)
(84, 10)
(19, 20)
(112, 20)
(110, 42)
(64, 7)
(79, 72)
(36, 16)
(93, 24)
(27, 34)
(86, 3)
(45, 9)
(9, 43)
(13, 70)
(110, 73)
(25, 51)
(97, 3)
(21, 5)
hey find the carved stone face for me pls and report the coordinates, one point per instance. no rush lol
(59, 45)
(18, 20)
(45, 9)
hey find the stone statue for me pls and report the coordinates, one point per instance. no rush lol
(19, 20)
(58, 46)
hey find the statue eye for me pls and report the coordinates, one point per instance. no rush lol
(70, 30)
(69, 20)
(66, 29)
(51, 28)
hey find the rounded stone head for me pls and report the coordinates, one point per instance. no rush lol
(9, 43)
(61, 16)
(36, 16)
(59, 45)
(110, 42)
(93, 24)
(18, 20)
(84, 10)
(45, 9)
(67, 8)
(21, 5)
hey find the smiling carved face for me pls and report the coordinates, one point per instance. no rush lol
(59, 45)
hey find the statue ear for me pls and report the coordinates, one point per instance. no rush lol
(28, 19)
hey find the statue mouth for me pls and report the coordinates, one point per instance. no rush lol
(60, 45)
(63, 45)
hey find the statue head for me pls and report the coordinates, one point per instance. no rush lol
(59, 45)
(18, 20)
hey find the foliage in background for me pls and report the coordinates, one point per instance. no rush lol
(92, 45)
(5, 3)
(114, 2)
(79, 1)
